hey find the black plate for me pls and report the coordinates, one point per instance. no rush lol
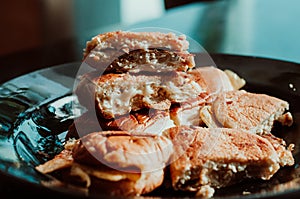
(37, 108)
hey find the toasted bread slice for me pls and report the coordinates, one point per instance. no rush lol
(214, 81)
(245, 110)
(113, 162)
(123, 151)
(61, 161)
(122, 51)
(209, 158)
(114, 95)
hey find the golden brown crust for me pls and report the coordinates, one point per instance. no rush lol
(101, 179)
(62, 160)
(118, 94)
(119, 148)
(123, 151)
(284, 152)
(113, 95)
(248, 111)
(221, 145)
(219, 157)
(145, 184)
(121, 163)
(102, 50)
(125, 39)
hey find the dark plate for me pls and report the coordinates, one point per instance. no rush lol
(37, 108)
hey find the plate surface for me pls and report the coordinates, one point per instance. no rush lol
(37, 108)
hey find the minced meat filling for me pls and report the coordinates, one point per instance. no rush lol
(152, 60)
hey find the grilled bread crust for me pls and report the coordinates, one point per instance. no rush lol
(115, 162)
(113, 95)
(105, 50)
(244, 110)
(217, 157)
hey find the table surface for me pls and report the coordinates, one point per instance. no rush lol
(263, 28)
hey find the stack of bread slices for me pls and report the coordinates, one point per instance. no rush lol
(151, 108)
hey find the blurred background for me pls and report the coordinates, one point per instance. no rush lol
(41, 33)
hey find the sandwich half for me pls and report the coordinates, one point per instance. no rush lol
(112, 162)
(125, 51)
(246, 111)
(206, 159)
(113, 95)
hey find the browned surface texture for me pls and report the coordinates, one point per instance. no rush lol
(249, 111)
(219, 157)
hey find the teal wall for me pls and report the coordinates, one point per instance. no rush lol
(94, 14)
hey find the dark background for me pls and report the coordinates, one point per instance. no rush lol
(41, 33)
